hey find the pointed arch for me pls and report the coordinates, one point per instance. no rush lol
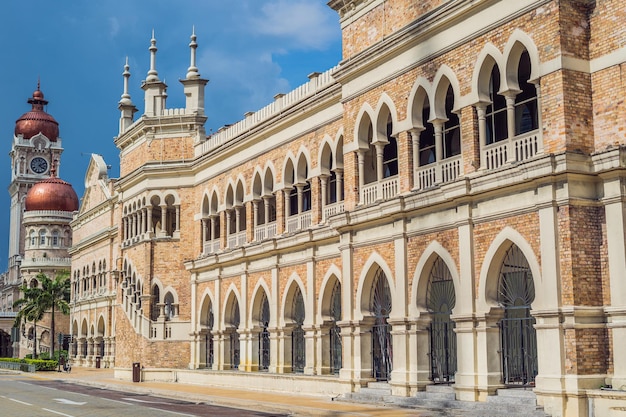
(487, 58)
(490, 271)
(385, 110)
(422, 272)
(332, 275)
(207, 303)
(518, 43)
(420, 94)
(286, 305)
(261, 288)
(363, 134)
(366, 281)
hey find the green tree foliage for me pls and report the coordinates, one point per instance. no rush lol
(51, 295)
(31, 309)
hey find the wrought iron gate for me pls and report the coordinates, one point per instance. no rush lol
(380, 306)
(298, 352)
(335, 332)
(209, 338)
(440, 300)
(516, 291)
(234, 337)
(264, 336)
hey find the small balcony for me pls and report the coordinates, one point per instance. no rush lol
(520, 148)
(265, 231)
(211, 246)
(430, 175)
(332, 209)
(299, 222)
(237, 239)
(379, 191)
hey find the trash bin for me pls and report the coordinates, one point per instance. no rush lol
(98, 359)
(136, 372)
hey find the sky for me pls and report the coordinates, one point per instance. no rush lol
(250, 50)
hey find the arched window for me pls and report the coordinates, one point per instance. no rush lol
(390, 153)
(451, 128)
(55, 238)
(526, 115)
(155, 299)
(42, 237)
(496, 111)
(427, 154)
(169, 306)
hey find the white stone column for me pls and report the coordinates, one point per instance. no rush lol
(361, 161)
(482, 132)
(616, 242)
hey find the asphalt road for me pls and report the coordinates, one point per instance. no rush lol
(21, 396)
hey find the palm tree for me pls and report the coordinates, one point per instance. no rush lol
(55, 296)
(31, 309)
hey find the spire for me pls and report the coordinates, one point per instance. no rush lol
(152, 74)
(126, 96)
(192, 72)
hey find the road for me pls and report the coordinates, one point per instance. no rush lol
(22, 396)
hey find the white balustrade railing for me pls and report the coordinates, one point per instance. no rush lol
(237, 239)
(211, 246)
(293, 97)
(427, 176)
(265, 231)
(518, 149)
(369, 193)
(384, 190)
(450, 169)
(299, 222)
(332, 209)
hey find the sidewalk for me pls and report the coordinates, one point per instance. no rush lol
(295, 405)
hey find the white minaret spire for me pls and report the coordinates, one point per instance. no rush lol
(193, 86)
(192, 72)
(152, 74)
(125, 95)
(126, 106)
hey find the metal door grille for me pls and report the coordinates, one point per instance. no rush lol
(209, 338)
(264, 336)
(335, 332)
(440, 300)
(380, 306)
(516, 291)
(297, 336)
(234, 337)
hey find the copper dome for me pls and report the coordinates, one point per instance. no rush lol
(37, 120)
(51, 194)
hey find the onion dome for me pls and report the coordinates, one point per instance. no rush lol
(37, 120)
(51, 194)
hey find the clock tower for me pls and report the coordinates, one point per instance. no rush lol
(35, 150)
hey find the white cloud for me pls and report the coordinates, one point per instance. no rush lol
(300, 23)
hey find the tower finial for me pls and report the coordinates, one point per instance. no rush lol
(126, 95)
(192, 71)
(152, 74)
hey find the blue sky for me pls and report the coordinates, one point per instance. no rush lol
(250, 50)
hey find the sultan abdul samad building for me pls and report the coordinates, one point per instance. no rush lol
(445, 206)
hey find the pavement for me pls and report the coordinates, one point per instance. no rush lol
(290, 404)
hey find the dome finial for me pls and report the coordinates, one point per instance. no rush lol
(152, 74)
(192, 71)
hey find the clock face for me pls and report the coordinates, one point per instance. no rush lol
(38, 165)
